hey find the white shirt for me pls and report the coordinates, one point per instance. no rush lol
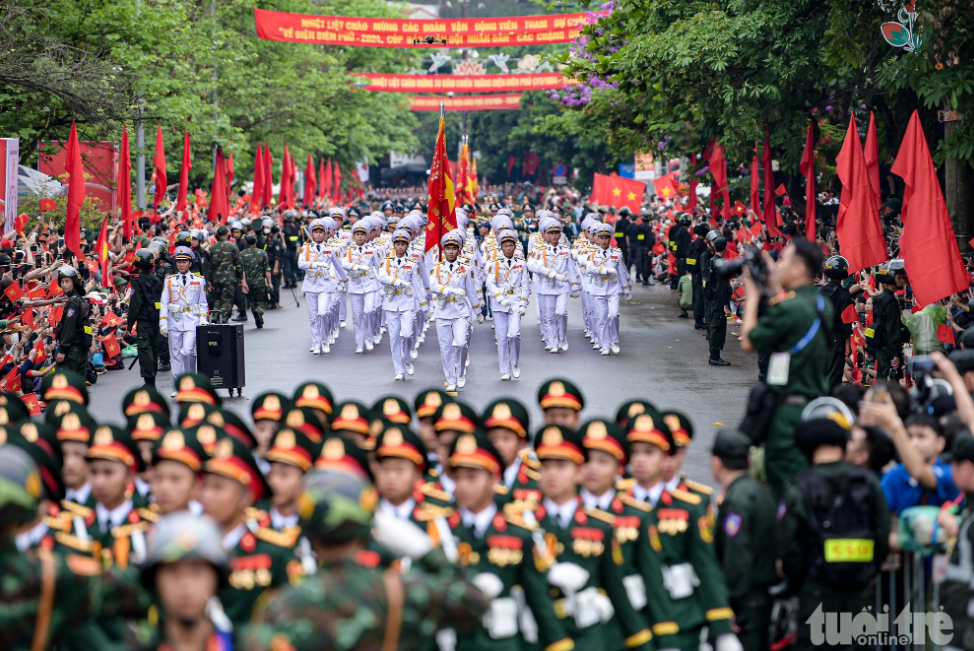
(510, 472)
(32, 536)
(649, 495)
(561, 514)
(403, 511)
(233, 538)
(448, 484)
(108, 520)
(79, 496)
(144, 488)
(672, 484)
(279, 521)
(479, 521)
(593, 501)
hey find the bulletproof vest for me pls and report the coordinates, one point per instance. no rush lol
(82, 324)
(836, 331)
(843, 536)
(151, 288)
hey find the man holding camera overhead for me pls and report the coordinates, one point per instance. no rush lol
(793, 332)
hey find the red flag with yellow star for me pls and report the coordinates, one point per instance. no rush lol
(739, 210)
(32, 403)
(11, 383)
(101, 249)
(112, 348)
(442, 205)
(667, 186)
(111, 319)
(620, 192)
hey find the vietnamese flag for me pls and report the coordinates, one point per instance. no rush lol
(184, 169)
(620, 192)
(14, 292)
(666, 188)
(755, 182)
(928, 243)
(474, 181)
(769, 214)
(321, 178)
(54, 289)
(462, 176)
(56, 314)
(310, 182)
(101, 250)
(258, 190)
(858, 227)
(159, 162)
(871, 153)
(849, 315)
(11, 383)
(718, 168)
(267, 199)
(284, 196)
(442, 217)
(739, 209)
(27, 318)
(48, 204)
(112, 348)
(125, 185)
(229, 173)
(743, 235)
(336, 188)
(945, 334)
(111, 319)
(756, 228)
(807, 168)
(76, 192)
(32, 403)
(219, 205)
(324, 183)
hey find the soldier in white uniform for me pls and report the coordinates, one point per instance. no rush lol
(319, 262)
(345, 237)
(402, 287)
(557, 277)
(362, 265)
(610, 278)
(455, 293)
(509, 289)
(183, 307)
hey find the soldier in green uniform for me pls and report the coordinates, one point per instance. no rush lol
(576, 554)
(267, 411)
(225, 272)
(259, 556)
(177, 463)
(562, 403)
(793, 332)
(744, 539)
(201, 264)
(425, 405)
(143, 314)
(292, 453)
(40, 442)
(318, 397)
(833, 526)
(350, 601)
(185, 568)
(883, 338)
(73, 332)
(507, 424)
(682, 536)
(144, 399)
(257, 272)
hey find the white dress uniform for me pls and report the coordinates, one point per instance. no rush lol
(402, 287)
(610, 279)
(454, 293)
(183, 307)
(557, 277)
(509, 289)
(321, 265)
(362, 265)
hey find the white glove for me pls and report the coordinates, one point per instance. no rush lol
(728, 642)
(480, 318)
(164, 330)
(523, 310)
(628, 297)
(203, 320)
(561, 277)
(409, 290)
(489, 584)
(356, 267)
(401, 537)
(612, 273)
(459, 292)
(568, 577)
(506, 302)
(398, 282)
(370, 273)
(575, 294)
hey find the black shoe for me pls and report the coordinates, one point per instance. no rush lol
(149, 381)
(165, 367)
(719, 362)
(683, 315)
(240, 317)
(697, 326)
(646, 282)
(259, 321)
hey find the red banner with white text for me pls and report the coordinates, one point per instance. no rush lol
(392, 83)
(398, 32)
(467, 103)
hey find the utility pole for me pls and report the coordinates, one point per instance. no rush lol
(959, 187)
(139, 140)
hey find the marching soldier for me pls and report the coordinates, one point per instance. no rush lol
(225, 272)
(610, 278)
(507, 423)
(257, 274)
(182, 309)
(361, 262)
(292, 453)
(144, 314)
(509, 289)
(322, 273)
(557, 278)
(403, 289)
(455, 291)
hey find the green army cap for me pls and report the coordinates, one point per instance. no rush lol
(398, 441)
(233, 459)
(142, 399)
(64, 385)
(560, 442)
(339, 454)
(336, 507)
(606, 436)
(182, 446)
(393, 408)
(649, 427)
(352, 416)
(112, 443)
(680, 427)
(508, 414)
(558, 392)
(474, 450)
(181, 536)
(294, 448)
(196, 387)
(631, 409)
(233, 425)
(207, 435)
(456, 417)
(731, 445)
(315, 395)
(270, 406)
(12, 409)
(40, 442)
(71, 422)
(192, 414)
(20, 486)
(428, 401)
(148, 426)
(304, 420)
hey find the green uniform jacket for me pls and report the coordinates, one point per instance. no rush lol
(744, 539)
(505, 550)
(255, 266)
(224, 263)
(524, 493)
(259, 561)
(587, 543)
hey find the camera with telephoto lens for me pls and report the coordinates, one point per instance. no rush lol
(926, 388)
(752, 259)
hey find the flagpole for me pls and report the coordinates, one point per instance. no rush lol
(442, 111)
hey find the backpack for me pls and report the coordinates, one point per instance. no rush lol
(840, 515)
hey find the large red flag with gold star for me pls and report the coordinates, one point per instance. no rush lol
(442, 205)
(618, 191)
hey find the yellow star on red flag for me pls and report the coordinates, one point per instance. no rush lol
(616, 191)
(632, 196)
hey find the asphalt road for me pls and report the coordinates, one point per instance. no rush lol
(663, 360)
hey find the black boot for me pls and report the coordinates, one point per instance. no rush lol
(683, 315)
(259, 321)
(240, 316)
(717, 361)
(149, 381)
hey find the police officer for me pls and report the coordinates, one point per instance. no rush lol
(720, 293)
(163, 267)
(292, 235)
(641, 237)
(885, 338)
(744, 538)
(621, 228)
(695, 254)
(836, 271)
(201, 265)
(706, 260)
(679, 246)
(74, 329)
(271, 241)
(144, 313)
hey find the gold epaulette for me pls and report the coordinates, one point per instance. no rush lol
(436, 511)
(518, 521)
(599, 514)
(533, 474)
(60, 522)
(434, 472)
(685, 496)
(430, 490)
(76, 508)
(253, 513)
(501, 489)
(528, 460)
(126, 530)
(72, 541)
(629, 500)
(698, 487)
(625, 484)
(286, 538)
(781, 297)
(148, 514)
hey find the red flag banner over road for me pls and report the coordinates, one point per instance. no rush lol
(618, 191)
(397, 32)
(442, 207)
(393, 83)
(468, 103)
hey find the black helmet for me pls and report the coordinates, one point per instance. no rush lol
(720, 243)
(144, 259)
(72, 273)
(184, 238)
(685, 220)
(624, 212)
(836, 267)
(712, 235)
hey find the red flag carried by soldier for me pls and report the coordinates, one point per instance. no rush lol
(442, 206)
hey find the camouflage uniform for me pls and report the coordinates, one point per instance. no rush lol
(224, 273)
(255, 267)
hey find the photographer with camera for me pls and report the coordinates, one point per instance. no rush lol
(793, 332)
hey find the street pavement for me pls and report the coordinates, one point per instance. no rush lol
(663, 360)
